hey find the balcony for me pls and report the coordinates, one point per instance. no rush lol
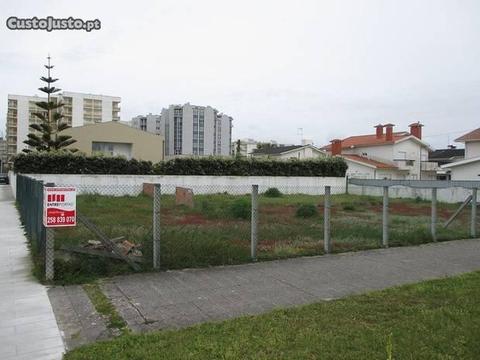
(429, 166)
(404, 164)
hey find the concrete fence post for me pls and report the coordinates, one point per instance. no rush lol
(327, 246)
(473, 223)
(156, 226)
(254, 223)
(434, 214)
(385, 217)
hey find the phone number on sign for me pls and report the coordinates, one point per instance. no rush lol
(61, 220)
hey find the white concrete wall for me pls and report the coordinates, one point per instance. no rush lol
(120, 185)
(359, 171)
(12, 178)
(449, 195)
(466, 172)
(472, 149)
(132, 184)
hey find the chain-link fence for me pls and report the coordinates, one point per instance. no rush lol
(29, 195)
(121, 228)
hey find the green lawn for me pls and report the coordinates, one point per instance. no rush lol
(431, 320)
(216, 231)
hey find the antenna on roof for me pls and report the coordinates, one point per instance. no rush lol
(300, 132)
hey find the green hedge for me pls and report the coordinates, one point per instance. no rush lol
(63, 162)
(251, 167)
(69, 163)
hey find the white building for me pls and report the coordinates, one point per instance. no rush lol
(150, 123)
(386, 154)
(299, 152)
(244, 147)
(468, 168)
(196, 130)
(79, 109)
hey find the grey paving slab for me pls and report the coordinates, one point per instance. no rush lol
(76, 316)
(181, 298)
(28, 329)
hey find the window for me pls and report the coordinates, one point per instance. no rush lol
(177, 131)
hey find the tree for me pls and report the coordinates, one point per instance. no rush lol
(238, 146)
(266, 145)
(51, 120)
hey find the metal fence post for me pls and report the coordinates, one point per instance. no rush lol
(473, 224)
(385, 217)
(156, 226)
(326, 222)
(49, 254)
(434, 214)
(49, 241)
(254, 223)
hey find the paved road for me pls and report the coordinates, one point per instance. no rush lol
(181, 298)
(28, 329)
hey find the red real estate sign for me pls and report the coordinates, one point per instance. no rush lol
(59, 206)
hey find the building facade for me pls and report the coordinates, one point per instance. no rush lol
(150, 123)
(290, 152)
(469, 167)
(115, 139)
(79, 109)
(191, 130)
(244, 147)
(3, 155)
(386, 154)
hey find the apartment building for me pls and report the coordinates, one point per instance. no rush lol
(150, 123)
(191, 130)
(79, 109)
(3, 155)
(386, 154)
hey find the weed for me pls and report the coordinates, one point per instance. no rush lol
(306, 211)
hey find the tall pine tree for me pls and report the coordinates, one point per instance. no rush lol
(48, 137)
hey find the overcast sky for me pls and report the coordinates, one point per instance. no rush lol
(334, 68)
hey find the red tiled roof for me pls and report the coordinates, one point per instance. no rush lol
(472, 135)
(369, 140)
(363, 159)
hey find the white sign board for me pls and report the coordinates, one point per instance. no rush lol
(59, 206)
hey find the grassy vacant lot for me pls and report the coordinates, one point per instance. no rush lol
(216, 230)
(431, 320)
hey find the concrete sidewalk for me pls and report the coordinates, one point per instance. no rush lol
(28, 329)
(181, 298)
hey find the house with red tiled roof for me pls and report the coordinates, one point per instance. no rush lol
(469, 167)
(386, 154)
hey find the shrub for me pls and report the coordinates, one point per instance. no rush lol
(306, 211)
(240, 209)
(273, 193)
(349, 207)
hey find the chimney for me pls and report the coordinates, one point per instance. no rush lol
(416, 130)
(389, 132)
(336, 147)
(379, 130)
